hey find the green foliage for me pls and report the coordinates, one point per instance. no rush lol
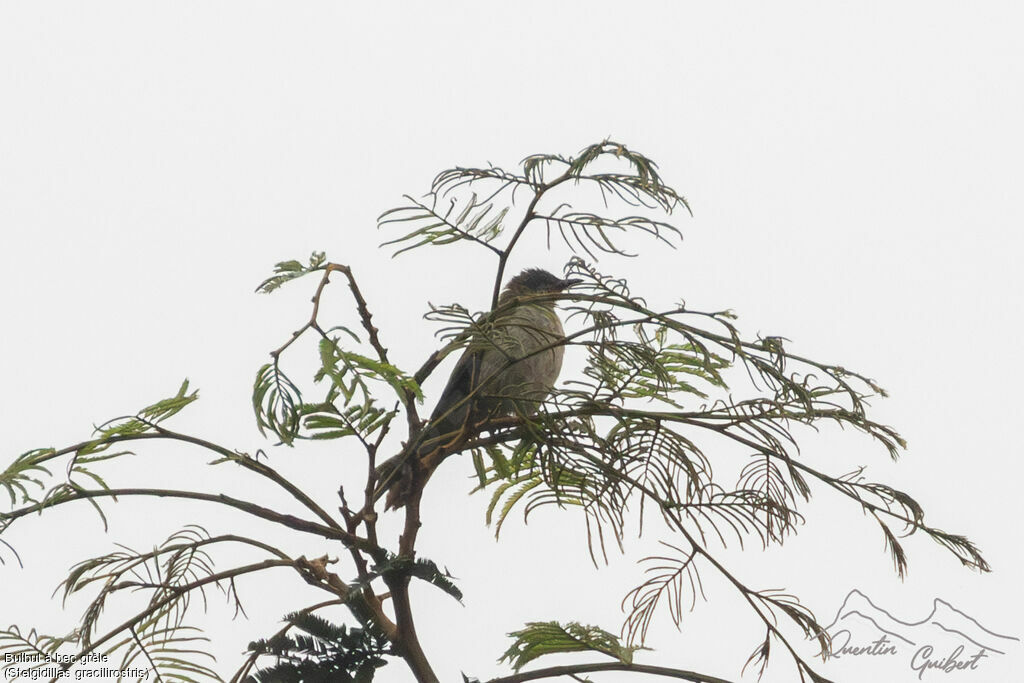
(160, 640)
(349, 407)
(164, 653)
(143, 422)
(590, 234)
(325, 421)
(171, 653)
(421, 568)
(596, 444)
(541, 638)
(582, 232)
(36, 650)
(22, 477)
(327, 653)
(285, 271)
(180, 560)
(20, 474)
(275, 401)
(474, 222)
(349, 373)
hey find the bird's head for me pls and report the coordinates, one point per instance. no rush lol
(537, 281)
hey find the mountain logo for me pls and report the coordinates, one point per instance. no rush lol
(946, 641)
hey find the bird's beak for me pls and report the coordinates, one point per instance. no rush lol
(566, 284)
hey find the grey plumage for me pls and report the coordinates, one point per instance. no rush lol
(508, 368)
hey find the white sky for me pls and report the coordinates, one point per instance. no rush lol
(854, 173)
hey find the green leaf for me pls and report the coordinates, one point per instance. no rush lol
(499, 462)
(276, 401)
(143, 422)
(290, 270)
(440, 225)
(322, 652)
(541, 638)
(479, 467)
(20, 473)
(422, 568)
(325, 422)
(349, 371)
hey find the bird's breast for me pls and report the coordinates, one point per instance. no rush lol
(525, 358)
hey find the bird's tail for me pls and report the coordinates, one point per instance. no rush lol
(400, 475)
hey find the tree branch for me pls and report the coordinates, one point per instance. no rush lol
(572, 669)
(529, 216)
(260, 468)
(406, 639)
(312, 322)
(366, 318)
(238, 458)
(257, 510)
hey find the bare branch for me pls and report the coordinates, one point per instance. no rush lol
(257, 510)
(574, 669)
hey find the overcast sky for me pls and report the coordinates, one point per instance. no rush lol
(854, 172)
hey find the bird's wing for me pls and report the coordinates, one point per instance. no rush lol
(457, 401)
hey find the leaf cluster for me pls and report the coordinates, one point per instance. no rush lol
(323, 652)
(540, 638)
(422, 568)
(349, 407)
(444, 218)
(286, 271)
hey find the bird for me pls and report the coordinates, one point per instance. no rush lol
(509, 367)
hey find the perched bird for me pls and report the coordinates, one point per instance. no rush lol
(509, 367)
